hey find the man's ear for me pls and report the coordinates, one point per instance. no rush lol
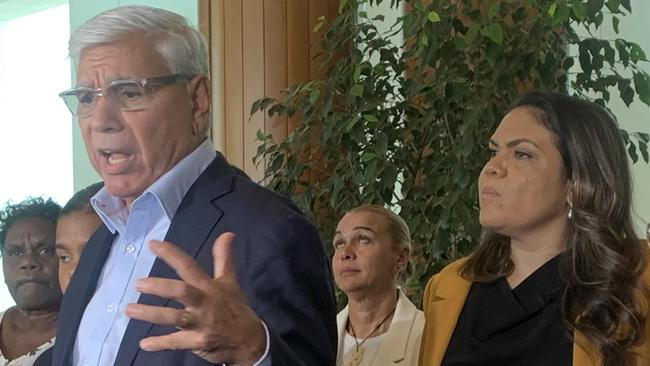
(199, 91)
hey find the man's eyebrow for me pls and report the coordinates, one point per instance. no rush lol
(60, 246)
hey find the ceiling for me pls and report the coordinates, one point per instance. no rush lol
(10, 9)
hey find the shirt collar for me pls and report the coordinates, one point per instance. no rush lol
(168, 190)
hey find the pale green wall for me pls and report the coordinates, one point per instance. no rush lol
(636, 28)
(82, 10)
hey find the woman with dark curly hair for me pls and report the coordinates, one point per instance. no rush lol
(559, 277)
(30, 266)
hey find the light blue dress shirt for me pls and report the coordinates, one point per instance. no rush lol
(104, 321)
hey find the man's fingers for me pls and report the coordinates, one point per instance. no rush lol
(182, 263)
(171, 289)
(187, 339)
(223, 267)
(157, 315)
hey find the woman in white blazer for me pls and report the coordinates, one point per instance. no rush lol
(379, 326)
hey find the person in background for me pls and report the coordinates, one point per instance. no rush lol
(379, 326)
(30, 267)
(559, 277)
(77, 222)
(195, 263)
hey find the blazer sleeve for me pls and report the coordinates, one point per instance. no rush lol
(288, 285)
(427, 299)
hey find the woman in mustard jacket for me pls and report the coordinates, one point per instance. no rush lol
(559, 277)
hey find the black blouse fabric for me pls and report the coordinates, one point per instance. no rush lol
(511, 327)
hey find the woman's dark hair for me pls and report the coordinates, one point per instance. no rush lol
(80, 201)
(32, 207)
(604, 261)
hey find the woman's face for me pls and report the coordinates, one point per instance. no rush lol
(364, 260)
(522, 188)
(30, 266)
(72, 232)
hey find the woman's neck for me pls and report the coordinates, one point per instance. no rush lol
(41, 321)
(530, 251)
(367, 311)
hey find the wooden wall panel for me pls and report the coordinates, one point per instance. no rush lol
(254, 75)
(275, 61)
(297, 47)
(258, 48)
(234, 82)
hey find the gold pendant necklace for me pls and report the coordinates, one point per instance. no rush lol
(357, 354)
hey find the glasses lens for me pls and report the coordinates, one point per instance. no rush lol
(80, 101)
(129, 95)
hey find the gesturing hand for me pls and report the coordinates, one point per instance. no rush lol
(216, 324)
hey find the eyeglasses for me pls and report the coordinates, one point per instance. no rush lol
(128, 94)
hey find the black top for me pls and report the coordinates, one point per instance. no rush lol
(509, 327)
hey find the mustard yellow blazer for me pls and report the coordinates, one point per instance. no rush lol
(443, 301)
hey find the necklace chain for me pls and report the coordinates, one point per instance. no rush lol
(359, 344)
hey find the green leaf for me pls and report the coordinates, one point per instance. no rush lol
(342, 4)
(594, 7)
(643, 147)
(357, 90)
(494, 9)
(313, 96)
(636, 53)
(626, 92)
(382, 143)
(561, 14)
(613, 5)
(494, 32)
(626, 5)
(370, 118)
(459, 43)
(472, 32)
(433, 17)
(256, 106)
(261, 136)
(319, 23)
(631, 151)
(642, 86)
(615, 23)
(552, 9)
(579, 9)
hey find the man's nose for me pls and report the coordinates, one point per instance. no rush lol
(106, 116)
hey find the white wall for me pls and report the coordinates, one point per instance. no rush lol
(35, 128)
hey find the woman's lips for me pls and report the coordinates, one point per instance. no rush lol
(489, 192)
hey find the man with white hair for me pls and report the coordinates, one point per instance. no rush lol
(260, 295)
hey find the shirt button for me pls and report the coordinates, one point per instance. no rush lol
(110, 308)
(130, 248)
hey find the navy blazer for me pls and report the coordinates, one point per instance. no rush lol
(279, 261)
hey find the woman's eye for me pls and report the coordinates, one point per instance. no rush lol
(522, 155)
(492, 152)
(338, 244)
(364, 239)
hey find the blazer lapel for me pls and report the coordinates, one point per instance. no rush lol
(394, 346)
(190, 229)
(78, 294)
(444, 312)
